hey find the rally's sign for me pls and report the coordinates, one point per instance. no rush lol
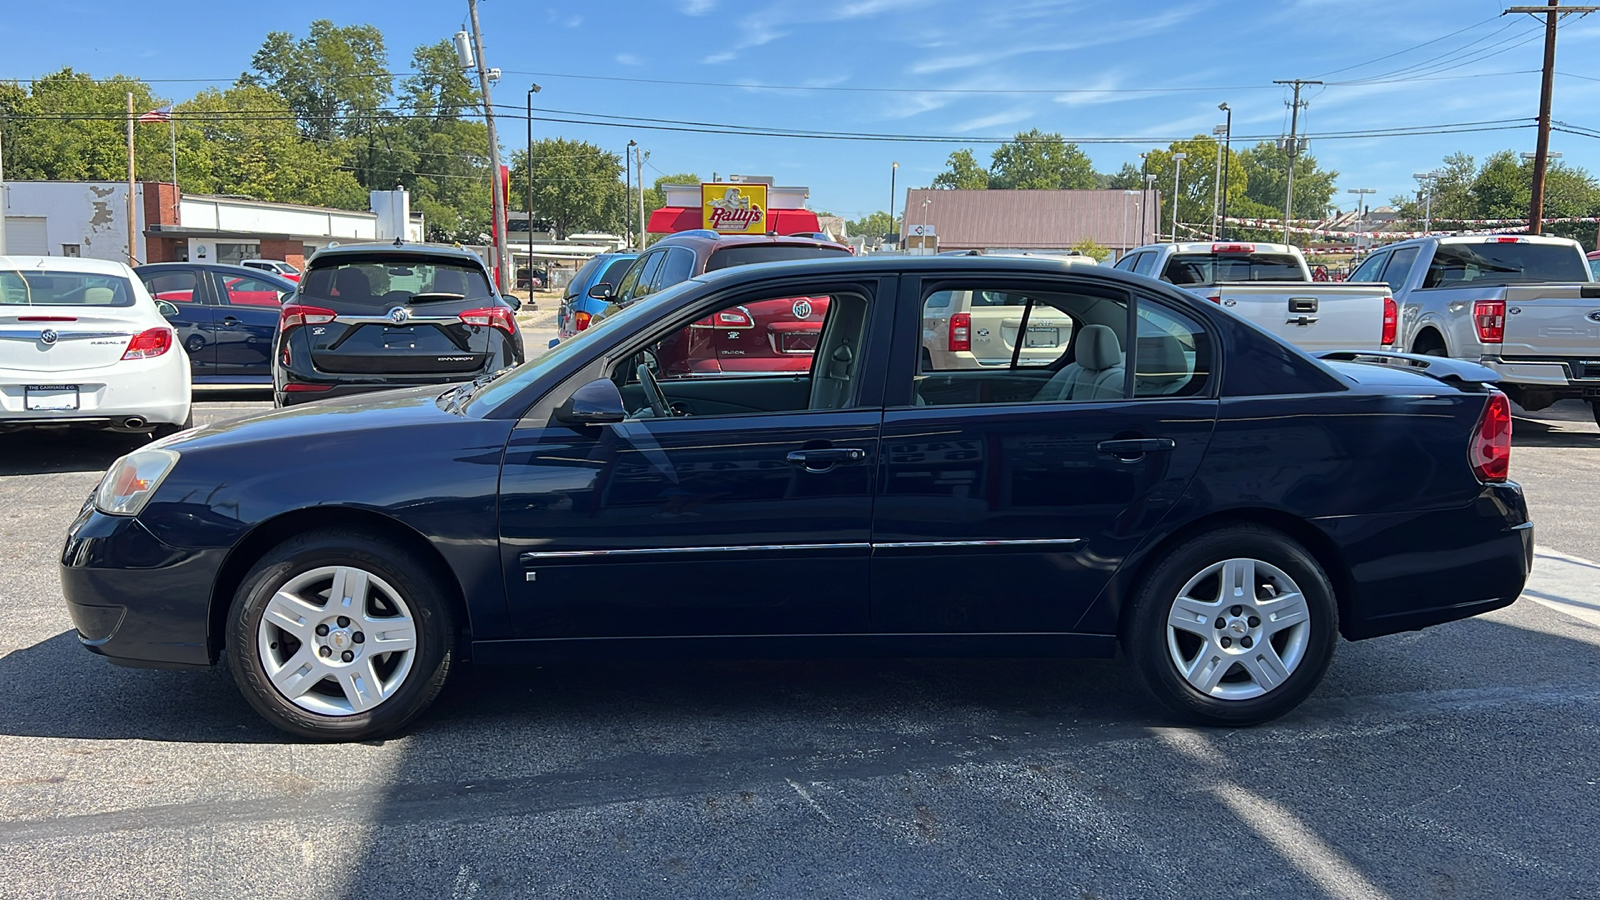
(734, 208)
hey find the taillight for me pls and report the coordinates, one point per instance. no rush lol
(1490, 452)
(735, 318)
(495, 316)
(1217, 299)
(1233, 248)
(1490, 318)
(1391, 321)
(149, 343)
(294, 315)
(960, 332)
(580, 320)
(1505, 239)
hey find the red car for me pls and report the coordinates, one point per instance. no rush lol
(772, 336)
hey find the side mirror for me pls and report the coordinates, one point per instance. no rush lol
(166, 308)
(596, 403)
(516, 304)
(601, 291)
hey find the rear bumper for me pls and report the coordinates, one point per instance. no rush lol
(155, 391)
(1410, 571)
(1555, 378)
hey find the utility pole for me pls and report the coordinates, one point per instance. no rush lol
(133, 259)
(534, 89)
(1293, 148)
(894, 169)
(639, 154)
(497, 200)
(627, 191)
(1552, 13)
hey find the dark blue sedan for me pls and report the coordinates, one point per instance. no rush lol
(1176, 482)
(225, 316)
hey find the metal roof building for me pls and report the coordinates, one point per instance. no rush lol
(1035, 220)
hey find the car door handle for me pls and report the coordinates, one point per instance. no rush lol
(1133, 448)
(826, 457)
(229, 321)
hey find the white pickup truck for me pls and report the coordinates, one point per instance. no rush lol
(1526, 306)
(1270, 285)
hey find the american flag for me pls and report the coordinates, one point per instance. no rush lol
(160, 114)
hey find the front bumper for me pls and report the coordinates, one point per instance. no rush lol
(134, 599)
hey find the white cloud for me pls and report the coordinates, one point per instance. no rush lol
(628, 59)
(697, 7)
(764, 26)
(992, 120)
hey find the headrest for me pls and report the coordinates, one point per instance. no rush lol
(1098, 348)
(99, 296)
(1160, 359)
(352, 284)
(450, 281)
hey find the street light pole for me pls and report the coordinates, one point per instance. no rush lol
(894, 169)
(1148, 233)
(627, 192)
(1428, 179)
(1123, 250)
(1216, 186)
(1360, 214)
(1227, 164)
(534, 89)
(1177, 171)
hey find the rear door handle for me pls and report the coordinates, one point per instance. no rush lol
(1133, 448)
(826, 457)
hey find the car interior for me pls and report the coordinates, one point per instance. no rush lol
(63, 289)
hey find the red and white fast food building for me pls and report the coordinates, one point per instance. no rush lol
(749, 205)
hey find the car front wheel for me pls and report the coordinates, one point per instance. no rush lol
(339, 636)
(1234, 627)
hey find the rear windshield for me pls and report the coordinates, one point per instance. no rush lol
(760, 253)
(1460, 264)
(36, 287)
(387, 282)
(1226, 268)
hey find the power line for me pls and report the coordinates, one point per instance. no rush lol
(1408, 49)
(1419, 68)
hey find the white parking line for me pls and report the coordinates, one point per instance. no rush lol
(1567, 584)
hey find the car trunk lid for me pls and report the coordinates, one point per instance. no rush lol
(57, 339)
(1560, 320)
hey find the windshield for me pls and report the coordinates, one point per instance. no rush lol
(388, 282)
(42, 287)
(1496, 263)
(514, 381)
(759, 253)
(1227, 268)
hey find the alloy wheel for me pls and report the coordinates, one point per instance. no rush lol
(1238, 629)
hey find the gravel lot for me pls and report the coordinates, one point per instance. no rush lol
(1457, 762)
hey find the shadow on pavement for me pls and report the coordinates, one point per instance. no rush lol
(1537, 433)
(52, 451)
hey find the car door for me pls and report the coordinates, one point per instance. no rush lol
(247, 315)
(750, 517)
(188, 289)
(1008, 497)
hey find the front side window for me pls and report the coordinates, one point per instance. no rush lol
(1369, 268)
(641, 276)
(1146, 262)
(395, 281)
(172, 286)
(1399, 267)
(678, 266)
(42, 287)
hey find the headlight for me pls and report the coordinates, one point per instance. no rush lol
(132, 480)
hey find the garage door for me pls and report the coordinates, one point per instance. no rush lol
(26, 236)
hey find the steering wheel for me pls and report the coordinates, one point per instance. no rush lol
(652, 392)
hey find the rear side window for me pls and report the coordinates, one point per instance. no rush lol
(1497, 263)
(582, 277)
(1400, 267)
(1369, 268)
(1172, 356)
(614, 272)
(1227, 268)
(646, 273)
(173, 286)
(388, 282)
(679, 266)
(749, 254)
(46, 288)
(1144, 262)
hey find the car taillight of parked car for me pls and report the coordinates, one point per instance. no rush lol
(492, 316)
(960, 332)
(149, 343)
(1490, 318)
(294, 315)
(581, 319)
(1490, 452)
(1391, 321)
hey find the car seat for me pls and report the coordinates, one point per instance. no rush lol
(352, 285)
(1095, 374)
(1160, 367)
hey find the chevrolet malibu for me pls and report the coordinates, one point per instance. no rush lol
(1175, 482)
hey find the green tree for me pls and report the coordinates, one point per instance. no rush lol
(72, 127)
(241, 141)
(576, 185)
(1039, 161)
(1264, 168)
(655, 198)
(1452, 192)
(335, 78)
(435, 152)
(962, 173)
(1197, 182)
(1088, 247)
(873, 226)
(1127, 178)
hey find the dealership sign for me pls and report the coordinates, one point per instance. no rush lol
(734, 208)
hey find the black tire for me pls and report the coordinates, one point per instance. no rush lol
(396, 569)
(1146, 638)
(1430, 344)
(161, 431)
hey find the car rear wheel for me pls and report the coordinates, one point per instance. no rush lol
(1234, 627)
(336, 635)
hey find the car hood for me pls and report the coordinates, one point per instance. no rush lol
(310, 425)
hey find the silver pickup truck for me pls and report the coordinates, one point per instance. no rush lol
(1526, 306)
(1270, 285)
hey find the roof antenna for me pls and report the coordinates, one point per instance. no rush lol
(397, 241)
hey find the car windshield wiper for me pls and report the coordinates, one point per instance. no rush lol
(463, 394)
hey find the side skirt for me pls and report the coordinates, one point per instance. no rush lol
(535, 650)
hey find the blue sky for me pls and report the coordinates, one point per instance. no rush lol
(1085, 68)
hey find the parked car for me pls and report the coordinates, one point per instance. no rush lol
(777, 335)
(226, 318)
(1271, 285)
(1195, 500)
(534, 280)
(968, 329)
(1523, 305)
(369, 317)
(276, 266)
(83, 345)
(577, 307)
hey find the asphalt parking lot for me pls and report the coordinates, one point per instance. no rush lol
(1456, 762)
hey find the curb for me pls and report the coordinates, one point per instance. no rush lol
(1567, 584)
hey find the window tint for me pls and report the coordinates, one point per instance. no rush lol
(1370, 267)
(1145, 262)
(646, 274)
(995, 345)
(1172, 357)
(679, 266)
(614, 272)
(629, 281)
(174, 287)
(581, 278)
(393, 281)
(245, 291)
(1227, 268)
(1400, 266)
(42, 287)
(747, 254)
(1508, 263)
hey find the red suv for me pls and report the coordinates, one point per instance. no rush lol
(756, 339)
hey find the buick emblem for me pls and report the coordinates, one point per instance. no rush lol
(48, 336)
(802, 309)
(1595, 316)
(399, 315)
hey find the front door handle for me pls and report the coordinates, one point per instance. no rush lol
(229, 321)
(1133, 448)
(824, 458)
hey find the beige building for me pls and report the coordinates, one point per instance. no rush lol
(1034, 220)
